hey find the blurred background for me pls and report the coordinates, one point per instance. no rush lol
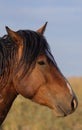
(64, 35)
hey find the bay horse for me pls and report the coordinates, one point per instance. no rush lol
(27, 67)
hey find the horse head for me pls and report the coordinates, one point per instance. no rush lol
(42, 81)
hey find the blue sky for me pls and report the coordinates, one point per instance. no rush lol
(63, 33)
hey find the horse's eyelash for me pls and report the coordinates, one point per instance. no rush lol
(41, 62)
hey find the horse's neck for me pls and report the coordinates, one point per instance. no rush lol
(7, 96)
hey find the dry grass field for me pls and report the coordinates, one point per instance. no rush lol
(26, 115)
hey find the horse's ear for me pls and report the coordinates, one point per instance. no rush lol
(15, 36)
(42, 29)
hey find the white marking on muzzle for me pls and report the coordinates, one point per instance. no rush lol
(70, 89)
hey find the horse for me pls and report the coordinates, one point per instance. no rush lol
(28, 68)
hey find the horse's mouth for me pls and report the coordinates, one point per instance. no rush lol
(59, 111)
(62, 110)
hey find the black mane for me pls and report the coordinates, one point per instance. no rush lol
(7, 53)
(35, 44)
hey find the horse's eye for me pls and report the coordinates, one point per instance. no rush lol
(41, 62)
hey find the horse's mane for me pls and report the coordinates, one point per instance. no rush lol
(35, 44)
(7, 50)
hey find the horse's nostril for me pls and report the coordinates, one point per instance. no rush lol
(74, 103)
